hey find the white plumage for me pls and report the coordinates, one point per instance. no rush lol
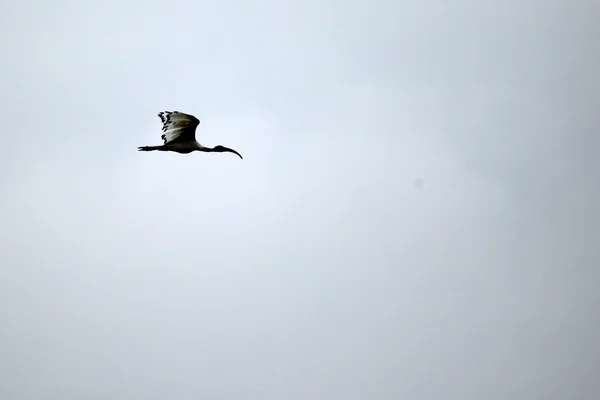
(180, 135)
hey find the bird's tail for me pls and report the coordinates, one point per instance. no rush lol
(149, 148)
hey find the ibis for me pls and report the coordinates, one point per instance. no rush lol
(180, 135)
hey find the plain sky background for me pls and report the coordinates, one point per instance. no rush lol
(416, 215)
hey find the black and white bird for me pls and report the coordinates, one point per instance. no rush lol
(180, 135)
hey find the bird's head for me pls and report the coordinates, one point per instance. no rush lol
(222, 149)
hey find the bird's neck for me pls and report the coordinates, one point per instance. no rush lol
(199, 147)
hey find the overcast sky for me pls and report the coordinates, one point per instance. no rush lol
(415, 217)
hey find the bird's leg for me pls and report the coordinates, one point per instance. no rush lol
(151, 148)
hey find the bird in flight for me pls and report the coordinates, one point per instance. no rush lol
(180, 135)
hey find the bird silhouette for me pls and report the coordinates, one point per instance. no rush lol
(180, 135)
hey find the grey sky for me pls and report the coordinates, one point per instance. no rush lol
(314, 268)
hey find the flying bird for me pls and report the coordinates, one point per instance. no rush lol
(180, 135)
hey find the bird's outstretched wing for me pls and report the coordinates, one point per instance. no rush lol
(178, 127)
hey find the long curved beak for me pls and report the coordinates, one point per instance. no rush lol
(233, 151)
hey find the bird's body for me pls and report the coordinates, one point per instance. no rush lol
(182, 148)
(180, 135)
